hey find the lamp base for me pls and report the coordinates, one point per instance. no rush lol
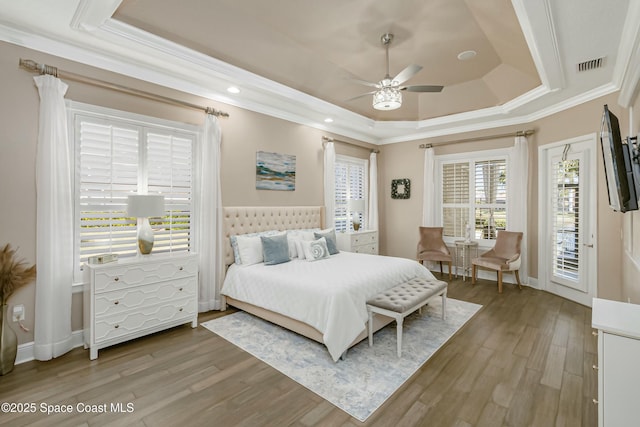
(145, 237)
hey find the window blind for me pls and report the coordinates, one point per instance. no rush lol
(116, 157)
(565, 214)
(474, 192)
(351, 185)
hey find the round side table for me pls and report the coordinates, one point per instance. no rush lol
(463, 250)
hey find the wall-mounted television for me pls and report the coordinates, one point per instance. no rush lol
(618, 165)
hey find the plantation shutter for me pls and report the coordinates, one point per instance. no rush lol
(108, 173)
(342, 193)
(116, 157)
(455, 198)
(490, 197)
(351, 186)
(565, 214)
(169, 173)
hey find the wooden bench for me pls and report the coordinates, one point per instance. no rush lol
(402, 300)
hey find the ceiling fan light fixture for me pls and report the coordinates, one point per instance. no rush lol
(387, 98)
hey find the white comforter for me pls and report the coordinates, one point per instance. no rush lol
(328, 294)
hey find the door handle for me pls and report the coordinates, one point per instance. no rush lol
(589, 246)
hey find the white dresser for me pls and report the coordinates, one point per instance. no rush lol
(364, 241)
(618, 326)
(138, 296)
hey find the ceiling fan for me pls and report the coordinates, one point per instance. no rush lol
(387, 95)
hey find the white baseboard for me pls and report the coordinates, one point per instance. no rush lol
(26, 354)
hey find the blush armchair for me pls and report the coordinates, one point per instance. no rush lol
(504, 256)
(431, 247)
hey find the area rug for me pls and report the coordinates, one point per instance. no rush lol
(368, 376)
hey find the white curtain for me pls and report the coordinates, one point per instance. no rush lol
(517, 197)
(208, 208)
(372, 221)
(429, 202)
(54, 223)
(329, 185)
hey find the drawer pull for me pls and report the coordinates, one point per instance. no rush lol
(116, 279)
(116, 302)
(594, 367)
(181, 308)
(116, 326)
(595, 401)
(181, 268)
(180, 289)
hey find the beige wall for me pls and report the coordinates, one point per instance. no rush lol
(244, 133)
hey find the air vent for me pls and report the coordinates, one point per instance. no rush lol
(591, 64)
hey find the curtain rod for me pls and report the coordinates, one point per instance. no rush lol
(329, 139)
(33, 66)
(481, 138)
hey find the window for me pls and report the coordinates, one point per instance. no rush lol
(473, 192)
(352, 177)
(117, 154)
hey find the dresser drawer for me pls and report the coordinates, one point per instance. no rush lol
(371, 248)
(364, 238)
(123, 276)
(114, 302)
(136, 322)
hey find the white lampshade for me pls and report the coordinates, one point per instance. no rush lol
(355, 205)
(145, 205)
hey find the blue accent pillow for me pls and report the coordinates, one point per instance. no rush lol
(330, 237)
(275, 249)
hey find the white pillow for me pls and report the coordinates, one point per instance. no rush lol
(299, 248)
(315, 249)
(250, 249)
(296, 235)
(234, 242)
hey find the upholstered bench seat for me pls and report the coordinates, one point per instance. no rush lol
(401, 300)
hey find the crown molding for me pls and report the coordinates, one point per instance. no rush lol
(627, 68)
(543, 44)
(94, 38)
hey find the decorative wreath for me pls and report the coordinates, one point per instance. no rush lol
(400, 188)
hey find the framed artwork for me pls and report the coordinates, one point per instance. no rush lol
(275, 171)
(400, 188)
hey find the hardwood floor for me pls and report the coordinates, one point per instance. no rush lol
(524, 360)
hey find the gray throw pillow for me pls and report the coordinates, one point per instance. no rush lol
(275, 249)
(330, 237)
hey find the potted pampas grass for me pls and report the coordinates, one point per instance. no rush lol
(14, 274)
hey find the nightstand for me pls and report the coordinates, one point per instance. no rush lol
(138, 296)
(363, 242)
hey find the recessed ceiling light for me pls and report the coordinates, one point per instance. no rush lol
(467, 54)
(328, 120)
(233, 89)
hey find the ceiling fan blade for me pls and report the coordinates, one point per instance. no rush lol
(361, 95)
(364, 82)
(422, 88)
(407, 73)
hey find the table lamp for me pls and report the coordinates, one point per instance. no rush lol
(143, 206)
(355, 205)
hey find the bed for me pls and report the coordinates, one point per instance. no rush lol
(323, 300)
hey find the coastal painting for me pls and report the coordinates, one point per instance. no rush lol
(275, 171)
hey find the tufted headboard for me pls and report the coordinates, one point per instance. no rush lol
(252, 219)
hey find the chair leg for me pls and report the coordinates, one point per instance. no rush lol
(441, 268)
(473, 274)
(517, 272)
(499, 281)
(450, 270)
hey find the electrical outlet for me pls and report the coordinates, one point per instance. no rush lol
(18, 313)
